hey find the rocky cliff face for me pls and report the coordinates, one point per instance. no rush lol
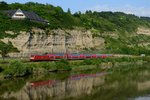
(39, 41)
(142, 30)
(55, 41)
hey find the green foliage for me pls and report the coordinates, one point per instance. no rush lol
(1, 69)
(106, 60)
(125, 22)
(6, 48)
(3, 6)
(87, 62)
(102, 21)
(63, 64)
(96, 62)
(15, 25)
(48, 65)
(127, 45)
(17, 68)
(98, 22)
(9, 85)
(69, 12)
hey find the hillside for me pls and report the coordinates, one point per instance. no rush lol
(120, 32)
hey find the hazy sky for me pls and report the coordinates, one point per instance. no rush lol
(138, 7)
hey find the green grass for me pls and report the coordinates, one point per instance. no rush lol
(23, 68)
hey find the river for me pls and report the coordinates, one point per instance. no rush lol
(85, 85)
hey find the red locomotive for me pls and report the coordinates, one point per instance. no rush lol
(51, 57)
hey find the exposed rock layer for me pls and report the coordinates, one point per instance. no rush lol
(39, 41)
(55, 41)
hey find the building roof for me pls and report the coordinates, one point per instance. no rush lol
(29, 15)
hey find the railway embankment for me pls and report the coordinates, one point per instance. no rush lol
(22, 68)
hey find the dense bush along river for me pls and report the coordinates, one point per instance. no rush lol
(133, 82)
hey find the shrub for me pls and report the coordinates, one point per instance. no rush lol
(93, 61)
(17, 68)
(1, 69)
(48, 65)
(63, 64)
(87, 62)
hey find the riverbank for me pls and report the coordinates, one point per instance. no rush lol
(21, 68)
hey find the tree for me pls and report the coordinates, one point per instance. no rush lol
(88, 12)
(6, 48)
(59, 10)
(69, 11)
(77, 14)
(3, 5)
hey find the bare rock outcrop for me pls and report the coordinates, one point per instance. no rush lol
(55, 41)
(142, 30)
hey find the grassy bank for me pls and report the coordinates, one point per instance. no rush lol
(21, 68)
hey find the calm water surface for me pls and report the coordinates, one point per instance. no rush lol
(87, 85)
(143, 98)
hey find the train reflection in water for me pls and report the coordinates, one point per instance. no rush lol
(74, 77)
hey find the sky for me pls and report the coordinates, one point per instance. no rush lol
(137, 7)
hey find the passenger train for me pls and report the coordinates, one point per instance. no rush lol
(52, 57)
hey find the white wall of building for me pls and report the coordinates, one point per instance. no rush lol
(19, 15)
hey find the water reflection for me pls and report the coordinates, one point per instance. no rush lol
(75, 85)
(73, 77)
(98, 85)
(143, 98)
